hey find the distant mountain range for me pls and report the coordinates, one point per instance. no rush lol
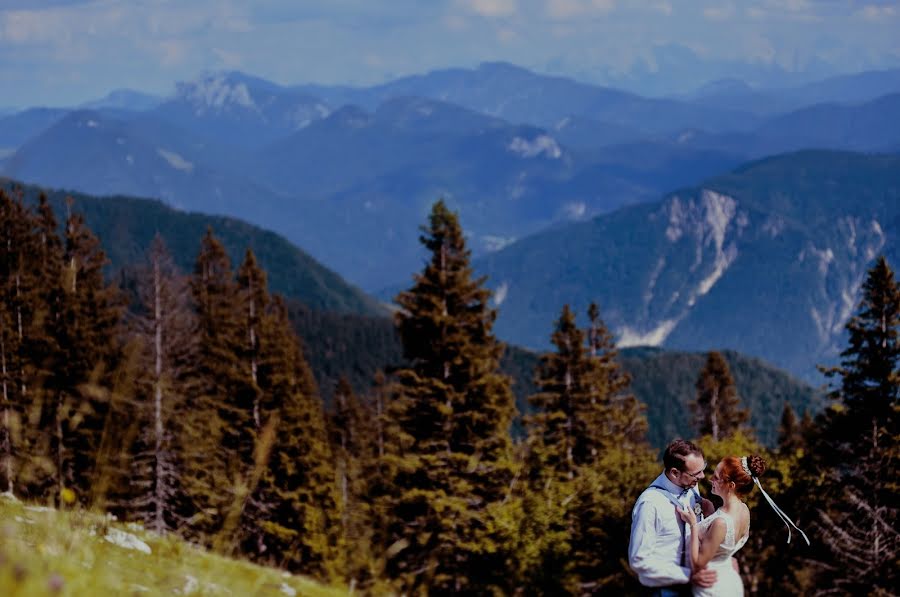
(767, 260)
(349, 173)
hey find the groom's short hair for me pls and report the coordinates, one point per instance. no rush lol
(678, 451)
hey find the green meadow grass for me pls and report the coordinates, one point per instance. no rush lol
(50, 552)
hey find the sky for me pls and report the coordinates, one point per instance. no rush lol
(64, 52)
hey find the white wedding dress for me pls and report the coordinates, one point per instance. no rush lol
(728, 582)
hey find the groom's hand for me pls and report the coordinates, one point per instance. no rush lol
(707, 507)
(704, 578)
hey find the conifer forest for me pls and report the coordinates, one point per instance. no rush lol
(185, 401)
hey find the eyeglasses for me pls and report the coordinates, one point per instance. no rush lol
(698, 474)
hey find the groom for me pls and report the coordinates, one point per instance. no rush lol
(658, 549)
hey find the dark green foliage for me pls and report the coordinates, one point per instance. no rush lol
(40, 351)
(790, 433)
(86, 334)
(858, 449)
(18, 301)
(716, 409)
(345, 345)
(557, 428)
(357, 440)
(587, 430)
(218, 425)
(294, 503)
(452, 457)
(666, 382)
(127, 226)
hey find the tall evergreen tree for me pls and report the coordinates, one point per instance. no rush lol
(622, 422)
(17, 297)
(452, 461)
(716, 409)
(41, 354)
(211, 462)
(790, 433)
(165, 328)
(557, 449)
(566, 392)
(87, 334)
(858, 448)
(353, 429)
(299, 509)
(251, 302)
(587, 429)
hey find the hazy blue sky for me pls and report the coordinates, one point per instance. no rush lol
(62, 52)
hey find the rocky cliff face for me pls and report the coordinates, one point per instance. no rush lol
(767, 267)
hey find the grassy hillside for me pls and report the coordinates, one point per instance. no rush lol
(49, 552)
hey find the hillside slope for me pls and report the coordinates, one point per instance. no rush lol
(126, 226)
(49, 552)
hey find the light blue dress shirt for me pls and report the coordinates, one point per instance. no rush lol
(658, 535)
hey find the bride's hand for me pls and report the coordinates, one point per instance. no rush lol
(687, 515)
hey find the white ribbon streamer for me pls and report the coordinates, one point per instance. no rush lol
(784, 517)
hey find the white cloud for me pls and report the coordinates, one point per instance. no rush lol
(491, 8)
(455, 23)
(723, 12)
(228, 59)
(873, 12)
(568, 9)
(373, 60)
(506, 35)
(663, 7)
(540, 145)
(759, 48)
(564, 9)
(790, 5)
(172, 52)
(33, 26)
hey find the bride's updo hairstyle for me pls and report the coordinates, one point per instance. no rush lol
(733, 471)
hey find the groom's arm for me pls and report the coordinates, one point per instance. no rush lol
(652, 571)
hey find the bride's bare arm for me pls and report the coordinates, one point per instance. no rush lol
(703, 548)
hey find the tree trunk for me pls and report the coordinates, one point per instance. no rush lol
(159, 492)
(7, 431)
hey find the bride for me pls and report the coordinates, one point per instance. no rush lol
(718, 537)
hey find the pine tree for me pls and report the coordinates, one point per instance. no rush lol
(252, 301)
(622, 422)
(858, 448)
(212, 434)
(17, 290)
(87, 334)
(566, 391)
(41, 355)
(557, 449)
(620, 459)
(587, 430)
(716, 409)
(165, 328)
(452, 461)
(790, 434)
(354, 443)
(299, 508)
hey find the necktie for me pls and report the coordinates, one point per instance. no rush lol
(684, 503)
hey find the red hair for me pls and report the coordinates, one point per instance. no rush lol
(733, 472)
